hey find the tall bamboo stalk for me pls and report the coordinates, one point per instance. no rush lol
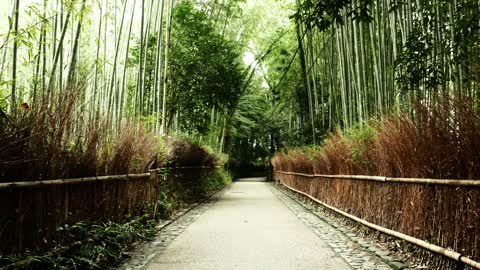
(13, 98)
(73, 62)
(158, 68)
(58, 51)
(114, 67)
(163, 129)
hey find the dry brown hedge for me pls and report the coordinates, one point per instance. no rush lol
(182, 153)
(54, 141)
(433, 142)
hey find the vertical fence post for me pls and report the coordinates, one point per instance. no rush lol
(116, 199)
(153, 188)
(20, 222)
(65, 205)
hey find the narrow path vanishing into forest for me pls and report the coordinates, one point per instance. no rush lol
(252, 225)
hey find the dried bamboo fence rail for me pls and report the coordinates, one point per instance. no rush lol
(442, 216)
(31, 212)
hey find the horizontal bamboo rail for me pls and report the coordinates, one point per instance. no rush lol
(35, 184)
(72, 181)
(423, 244)
(31, 212)
(190, 167)
(449, 182)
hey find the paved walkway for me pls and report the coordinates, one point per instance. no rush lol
(248, 228)
(253, 225)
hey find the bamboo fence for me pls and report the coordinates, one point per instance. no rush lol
(31, 212)
(442, 216)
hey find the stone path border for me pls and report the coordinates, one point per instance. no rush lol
(356, 251)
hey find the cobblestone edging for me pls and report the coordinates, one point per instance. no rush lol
(357, 252)
(168, 231)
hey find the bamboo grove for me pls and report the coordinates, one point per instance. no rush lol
(309, 66)
(364, 58)
(122, 60)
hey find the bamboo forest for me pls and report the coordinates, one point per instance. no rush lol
(239, 134)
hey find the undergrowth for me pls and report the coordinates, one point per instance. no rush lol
(102, 244)
(191, 185)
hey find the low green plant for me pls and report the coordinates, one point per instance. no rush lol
(216, 181)
(102, 245)
(358, 138)
(166, 204)
(310, 150)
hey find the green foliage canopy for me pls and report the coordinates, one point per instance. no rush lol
(205, 69)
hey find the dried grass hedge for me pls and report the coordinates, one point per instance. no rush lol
(54, 141)
(440, 142)
(183, 153)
